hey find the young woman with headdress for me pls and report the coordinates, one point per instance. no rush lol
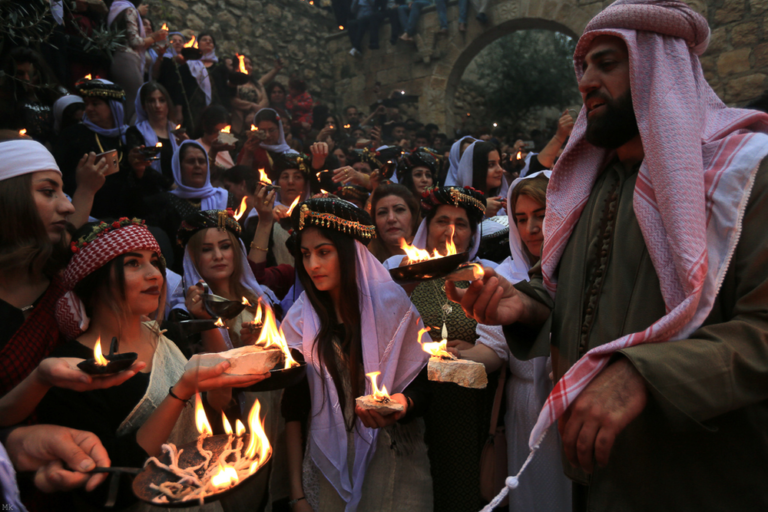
(155, 122)
(351, 320)
(116, 281)
(104, 129)
(528, 383)
(418, 170)
(480, 168)
(397, 215)
(452, 212)
(214, 254)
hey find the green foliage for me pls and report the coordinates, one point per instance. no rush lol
(527, 70)
(25, 22)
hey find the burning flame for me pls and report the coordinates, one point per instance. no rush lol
(347, 126)
(246, 303)
(201, 420)
(435, 348)
(241, 58)
(324, 191)
(177, 127)
(225, 478)
(380, 395)
(190, 43)
(519, 155)
(341, 27)
(254, 128)
(239, 428)
(97, 355)
(416, 255)
(257, 316)
(258, 448)
(263, 178)
(23, 131)
(164, 27)
(159, 145)
(227, 426)
(271, 336)
(218, 323)
(226, 129)
(293, 205)
(238, 214)
(87, 77)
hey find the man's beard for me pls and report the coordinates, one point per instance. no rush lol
(614, 127)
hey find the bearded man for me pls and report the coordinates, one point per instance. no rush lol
(652, 291)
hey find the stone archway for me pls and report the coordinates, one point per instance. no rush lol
(736, 63)
(433, 68)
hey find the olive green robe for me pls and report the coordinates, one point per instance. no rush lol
(701, 443)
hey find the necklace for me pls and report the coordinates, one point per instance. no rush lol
(101, 148)
(445, 309)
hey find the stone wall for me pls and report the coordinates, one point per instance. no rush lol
(294, 29)
(736, 62)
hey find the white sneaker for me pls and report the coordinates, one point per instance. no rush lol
(355, 52)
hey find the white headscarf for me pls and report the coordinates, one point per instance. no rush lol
(24, 156)
(60, 106)
(518, 265)
(192, 277)
(213, 198)
(150, 137)
(453, 160)
(464, 176)
(281, 146)
(200, 72)
(389, 326)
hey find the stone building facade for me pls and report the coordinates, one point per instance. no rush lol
(311, 45)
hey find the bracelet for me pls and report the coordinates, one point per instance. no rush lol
(258, 248)
(293, 502)
(171, 393)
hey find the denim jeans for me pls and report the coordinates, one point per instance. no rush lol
(409, 16)
(463, 8)
(442, 12)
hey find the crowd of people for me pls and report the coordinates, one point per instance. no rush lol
(618, 342)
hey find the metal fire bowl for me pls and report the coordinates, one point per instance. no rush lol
(191, 53)
(238, 78)
(151, 474)
(428, 270)
(116, 363)
(220, 307)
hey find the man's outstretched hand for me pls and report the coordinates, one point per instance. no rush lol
(600, 413)
(491, 301)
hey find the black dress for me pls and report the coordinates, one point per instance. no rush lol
(102, 412)
(134, 139)
(122, 191)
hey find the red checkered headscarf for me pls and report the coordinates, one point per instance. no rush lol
(91, 253)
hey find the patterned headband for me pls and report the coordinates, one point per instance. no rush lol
(336, 214)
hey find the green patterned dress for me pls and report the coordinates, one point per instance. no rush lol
(458, 419)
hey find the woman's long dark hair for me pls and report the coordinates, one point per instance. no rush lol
(152, 86)
(24, 242)
(321, 301)
(480, 168)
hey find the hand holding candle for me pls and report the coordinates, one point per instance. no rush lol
(379, 409)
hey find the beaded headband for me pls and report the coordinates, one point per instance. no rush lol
(99, 89)
(468, 198)
(219, 219)
(330, 213)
